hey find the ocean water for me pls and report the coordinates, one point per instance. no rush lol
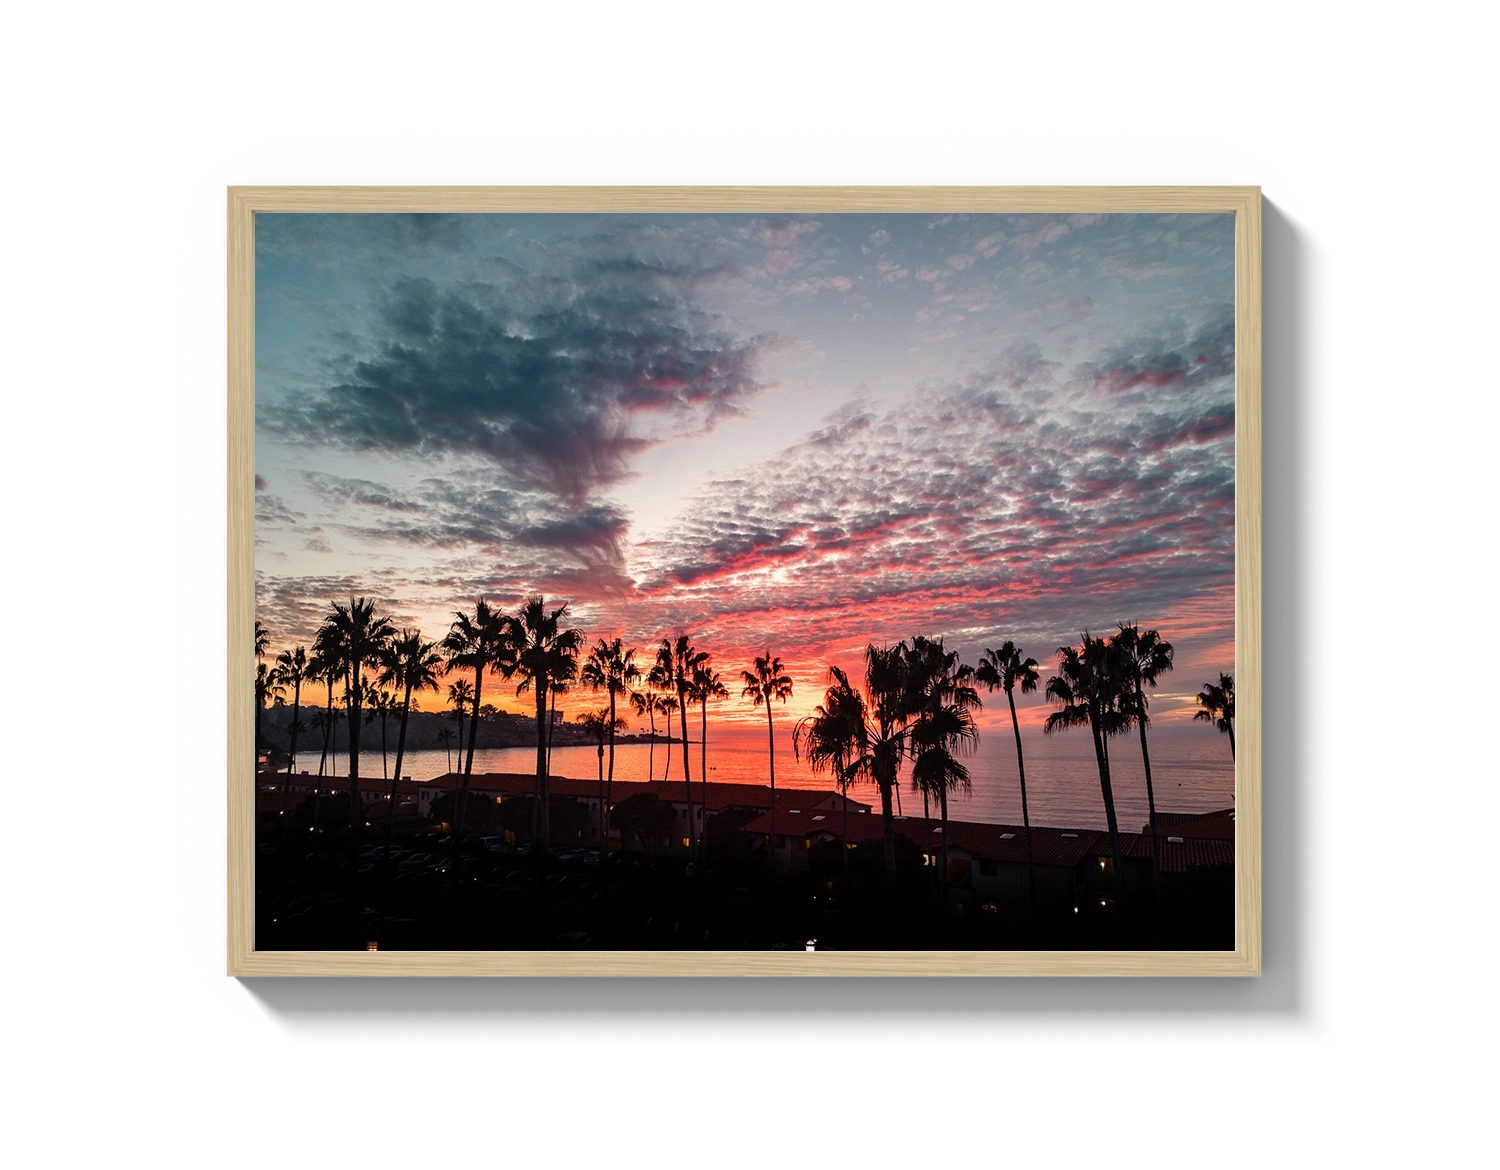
(1191, 771)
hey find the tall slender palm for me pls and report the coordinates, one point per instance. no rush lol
(294, 669)
(262, 639)
(764, 681)
(411, 666)
(268, 689)
(676, 659)
(460, 699)
(542, 649)
(666, 706)
(944, 700)
(561, 684)
(836, 738)
(644, 702)
(445, 737)
(601, 725)
(1143, 658)
(1005, 669)
(610, 667)
(483, 640)
(1088, 689)
(1216, 706)
(706, 685)
(889, 702)
(360, 637)
(325, 665)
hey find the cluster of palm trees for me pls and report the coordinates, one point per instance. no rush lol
(917, 705)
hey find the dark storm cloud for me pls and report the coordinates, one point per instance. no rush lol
(556, 379)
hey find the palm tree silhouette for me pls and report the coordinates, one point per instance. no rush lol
(836, 738)
(1144, 658)
(543, 650)
(644, 702)
(460, 697)
(1005, 669)
(294, 669)
(262, 639)
(764, 681)
(411, 666)
(944, 700)
(325, 665)
(360, 639)
(1216, 706)
(675, 663)
(268, 688)
(1088, 688)
(889, 703)
(445, 737)
(610, 667)
(706, 685)
(601, 725)
(666, 705)
(483, 641)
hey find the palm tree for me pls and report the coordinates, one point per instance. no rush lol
(644, 703)
(676, 660)
(1144, 658)
(360, 638)
(837, 737)
(542, 649)
(665, 706)
(706, 685)
(445, 737)
(611, 667)
(1216, 703)
(268, 688)
(944, 700)
(1088, 689)
(294, 669)
(460, 697)
(1004, 669)
(262, 639)
(485, 640)
(411, 666)
(601, 725)
(763, 682)
(325, 665)
(888, 687)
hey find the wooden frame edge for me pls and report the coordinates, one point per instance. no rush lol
(1243, 201)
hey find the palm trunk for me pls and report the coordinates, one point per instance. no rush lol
(543, 820)
(889, 826)
(703, 772)
(846, 835)
(927, 830)
(384, 771)
(1230, 728)
(291, 764)
(356, 812)
(601, 799)
(322, 763)
(260, 709)
(651, 751)
(666, 772)
(1025, 811)
(609, 792)
(771, 754)
(461, 804)
(390, 816)
(687, 767)
(947, 889)
(1150, 802)
(1107, 790)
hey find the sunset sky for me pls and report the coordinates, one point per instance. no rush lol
(796, 433)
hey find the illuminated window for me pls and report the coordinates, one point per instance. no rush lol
(685, 842)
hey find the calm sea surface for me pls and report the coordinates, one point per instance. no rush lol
(1190, 768)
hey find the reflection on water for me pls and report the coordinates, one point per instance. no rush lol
(1191, 771)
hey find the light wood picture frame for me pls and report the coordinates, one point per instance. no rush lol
(1243, 203)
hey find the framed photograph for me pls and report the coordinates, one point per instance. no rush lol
(744, 581)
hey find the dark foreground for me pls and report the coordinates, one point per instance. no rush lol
(505, 897)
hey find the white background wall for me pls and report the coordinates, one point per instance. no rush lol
(1370, 1036)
